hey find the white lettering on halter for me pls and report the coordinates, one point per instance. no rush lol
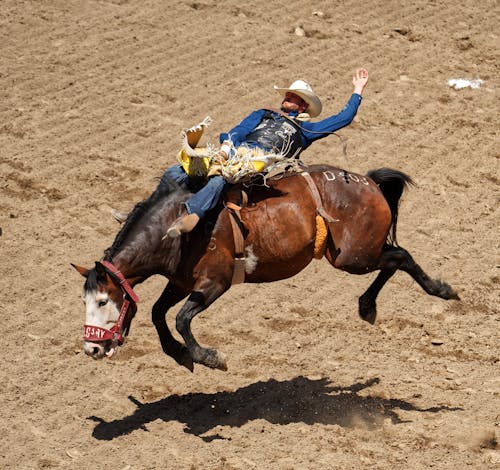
(91, 332)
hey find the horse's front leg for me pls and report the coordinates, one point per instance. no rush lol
(198, 301)
(169, 297)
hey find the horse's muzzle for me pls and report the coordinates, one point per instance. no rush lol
(98, 350)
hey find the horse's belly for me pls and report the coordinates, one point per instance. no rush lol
(275, 270)
(280, 242)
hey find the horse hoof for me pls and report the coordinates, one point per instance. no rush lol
(222, 362)
(185, 359)
(446, 292)
(187, 362)
(453, 295)
(370, 317)
(367, 311)
(214, 359)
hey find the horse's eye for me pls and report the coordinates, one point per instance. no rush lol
(102, 303)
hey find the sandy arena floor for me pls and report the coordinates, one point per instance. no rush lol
(94, 95)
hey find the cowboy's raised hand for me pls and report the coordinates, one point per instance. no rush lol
(359, 80)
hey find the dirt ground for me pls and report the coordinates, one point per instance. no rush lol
(94, 95)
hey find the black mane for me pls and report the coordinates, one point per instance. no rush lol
(137, 213)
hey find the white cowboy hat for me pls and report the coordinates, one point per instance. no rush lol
(304, 90)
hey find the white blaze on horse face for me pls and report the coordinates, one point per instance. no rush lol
(100, 310)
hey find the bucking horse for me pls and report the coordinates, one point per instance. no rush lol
(321, 211)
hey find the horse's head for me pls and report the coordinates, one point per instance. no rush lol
(110, 305)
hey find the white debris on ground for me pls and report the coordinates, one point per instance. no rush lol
(300, 31)
(459, 83)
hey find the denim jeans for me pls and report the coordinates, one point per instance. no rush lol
(204, 199)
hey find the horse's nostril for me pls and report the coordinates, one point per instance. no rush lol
(95, 351)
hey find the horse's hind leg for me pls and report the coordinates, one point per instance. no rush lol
(399, 258)
(367, 302)
(392, 259)
(169, 297)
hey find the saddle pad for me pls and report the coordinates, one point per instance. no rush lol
(200, 162)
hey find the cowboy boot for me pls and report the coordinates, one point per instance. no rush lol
(184, 225)
(119, 216)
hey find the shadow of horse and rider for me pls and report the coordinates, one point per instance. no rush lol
(297, 400)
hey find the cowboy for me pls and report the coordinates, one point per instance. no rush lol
(287, 131)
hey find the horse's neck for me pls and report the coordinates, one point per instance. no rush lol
(146, 250)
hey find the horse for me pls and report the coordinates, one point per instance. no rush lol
(280, 229)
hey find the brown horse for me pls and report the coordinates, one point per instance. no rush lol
(280, 232)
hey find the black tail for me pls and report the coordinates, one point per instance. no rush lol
(392, 184)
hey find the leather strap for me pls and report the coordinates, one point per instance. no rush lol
(239, 243)
(123, 282)
(317, 198)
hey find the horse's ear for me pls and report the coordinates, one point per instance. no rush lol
(83, 271)
(100, 271)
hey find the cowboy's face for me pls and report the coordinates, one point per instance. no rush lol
(293, 102)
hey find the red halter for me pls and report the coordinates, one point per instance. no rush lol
(96, 334)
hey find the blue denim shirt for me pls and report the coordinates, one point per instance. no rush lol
(310, 131)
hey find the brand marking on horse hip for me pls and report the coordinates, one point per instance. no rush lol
(330, 176)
